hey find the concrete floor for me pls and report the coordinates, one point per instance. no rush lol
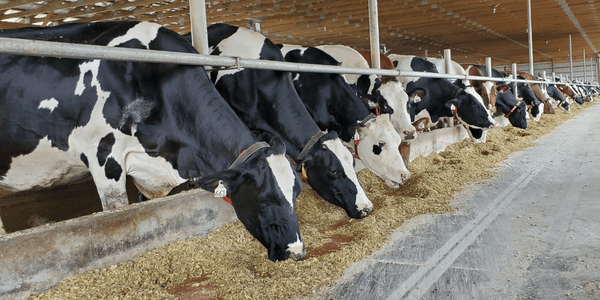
(532, 232)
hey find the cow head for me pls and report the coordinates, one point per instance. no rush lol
(398, 100)
(263, 190)
(489, 93)
(368, 90)
(329, 170)
(376, 144)
(506, 101)
(555, 94)
(536, 108)
(470, 111)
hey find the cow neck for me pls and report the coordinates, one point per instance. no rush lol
(455, 115)
(313, 140)
(244, 155)
(504, 107)
(295, 121)
(363, 122)
(442, 92)
(506, 115)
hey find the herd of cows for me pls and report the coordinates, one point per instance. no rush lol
(248, 135)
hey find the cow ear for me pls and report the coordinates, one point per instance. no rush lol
(293, 56)
(417, 92)
(454, 102)
(231, 178)
(395, 63)
(504, 88)
(307, 162)
(279, 46)
(352, 129)
(277, 146)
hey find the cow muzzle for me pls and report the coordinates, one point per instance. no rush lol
(365, 211)
(409, 135)
(396, 184)
(296, 254)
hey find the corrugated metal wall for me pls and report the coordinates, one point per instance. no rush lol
(562, 68)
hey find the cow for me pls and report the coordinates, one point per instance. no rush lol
(499, 96)
(162, 124)
(569, 92)
(525, 92)
(583, 90)
(441, 97)
(457, 69)
(335, 106)
(487, 89)
(268, 104)
(555, 97)
(540, 93)
(380, 92)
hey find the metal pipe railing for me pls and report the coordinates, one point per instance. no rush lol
(81, 51)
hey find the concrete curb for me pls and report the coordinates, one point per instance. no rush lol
(37, 259)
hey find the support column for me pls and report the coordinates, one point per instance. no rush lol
(374, 34)
(514, 71)
(571, 54)
(530, 37)
(198, 26)
(488, 66)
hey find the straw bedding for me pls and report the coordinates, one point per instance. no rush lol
(229, 264)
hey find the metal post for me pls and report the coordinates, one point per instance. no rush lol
(553, 76)
(374, 34)
(447, 60)
(198, 25)
(584, 71)
(514, 71)
(544, 75)
(448, 65)
(425, 53)
(591, 70)
(571, 54)
(488, 66)
(598, 66)
(530, 37)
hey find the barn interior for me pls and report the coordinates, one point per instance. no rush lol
(472, 30)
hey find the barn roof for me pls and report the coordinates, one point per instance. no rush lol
(473, 30)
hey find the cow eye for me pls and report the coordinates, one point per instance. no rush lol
(324, 147)
(334, 173)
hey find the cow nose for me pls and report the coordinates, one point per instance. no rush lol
(404, 177)
(409, 135)
(297, 255)
(365, 211)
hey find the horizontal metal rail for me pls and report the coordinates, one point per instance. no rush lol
(80, 51)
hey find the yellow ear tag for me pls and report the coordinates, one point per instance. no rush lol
(304, 172)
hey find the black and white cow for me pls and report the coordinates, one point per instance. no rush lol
(457, 69)
(371, 89)
(569, 92)
(268, 104)
(505, 101)
(335, 106)
(161, 124)
(526, 94)
(555, 96)
(442, 98)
